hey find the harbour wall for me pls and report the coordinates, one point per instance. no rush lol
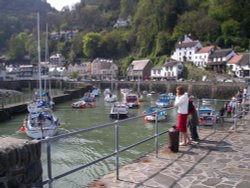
(20, 162)
(10, 110)
(216, 90)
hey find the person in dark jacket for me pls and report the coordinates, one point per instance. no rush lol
(193, 121)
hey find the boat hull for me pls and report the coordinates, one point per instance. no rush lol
(120, 116)
(42, 133)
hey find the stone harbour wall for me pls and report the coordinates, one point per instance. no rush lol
(20, 163)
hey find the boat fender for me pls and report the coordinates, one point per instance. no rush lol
(23, 129)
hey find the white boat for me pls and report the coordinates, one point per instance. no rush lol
(41, 125)
(132, 100)
(95, 92)
(41, 121)
(40, 101)
(159, 113)
(119, 111)
(110, 98)
(79, 104)
(107, 91)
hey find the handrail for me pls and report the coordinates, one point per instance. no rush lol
(118, 150)
(116, 153)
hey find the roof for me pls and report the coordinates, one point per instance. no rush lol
(221, 53)
(205, 49)
(156, 68)
(243, 59)
(235, 59)
(139, 64)
(187, 44)
(171, 63)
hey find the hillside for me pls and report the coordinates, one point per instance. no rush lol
(153, 27)
(19, 15)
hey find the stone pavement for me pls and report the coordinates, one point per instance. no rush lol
(221, 160)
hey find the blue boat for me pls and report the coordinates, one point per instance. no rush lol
(164, 101)
(207, 115)
(161, 115)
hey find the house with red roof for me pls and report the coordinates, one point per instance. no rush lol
(239, 65)
(185, 50)
(201, 57)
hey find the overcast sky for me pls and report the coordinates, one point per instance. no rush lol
(59, 4)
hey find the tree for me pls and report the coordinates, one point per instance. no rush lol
(91, 44)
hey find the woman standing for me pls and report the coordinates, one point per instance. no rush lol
(181, 102)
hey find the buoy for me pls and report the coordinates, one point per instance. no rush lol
(23, 129)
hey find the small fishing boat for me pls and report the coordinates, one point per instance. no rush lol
(132, 100)
(110, 98)
(82, 104)
(119, 110)
(171, 96)
(107, 91)
(159, 114)
(207, 116)
(95, 92)
(79, 104)
(164, 101)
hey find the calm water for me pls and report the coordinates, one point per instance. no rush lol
(71, 152)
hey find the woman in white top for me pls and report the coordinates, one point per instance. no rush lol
(181, 101)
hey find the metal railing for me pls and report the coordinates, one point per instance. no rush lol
(118, 150)
(116, 153)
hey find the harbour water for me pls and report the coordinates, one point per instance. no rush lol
(71, 152)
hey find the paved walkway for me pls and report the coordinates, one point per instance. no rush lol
(221, 159)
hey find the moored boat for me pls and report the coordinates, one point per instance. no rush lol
(119, 110)
(164, 101)
(110, 98)
(41, 125)
(132, 100)
(155, 112)
(207, 116)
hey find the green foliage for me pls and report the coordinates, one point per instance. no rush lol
(190, 73)
(156, 26)
(91, 44)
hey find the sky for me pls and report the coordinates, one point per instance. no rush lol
(59, 4)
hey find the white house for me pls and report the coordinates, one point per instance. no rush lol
(171, 70)
(185, 50)
(57, 59)
(239, 65)
(201, 57)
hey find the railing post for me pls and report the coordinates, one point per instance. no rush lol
(49, 164)
(156, 135)
(117, 143)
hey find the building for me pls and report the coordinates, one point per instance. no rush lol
(83, 69)
(172, 70)
(103, 69)
(239, 65)
(139, 69)
(65, 35)
(219, 58)
(201, 57)
(185, 50)
(57, 60)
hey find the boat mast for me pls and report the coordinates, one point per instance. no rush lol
(46, 54)
(39, 55)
